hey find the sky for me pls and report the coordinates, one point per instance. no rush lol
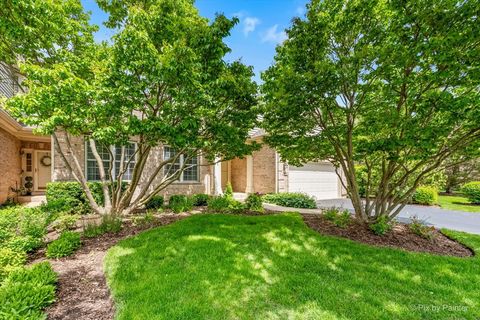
(253, 40)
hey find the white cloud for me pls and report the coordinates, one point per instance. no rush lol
(249, 25)
(274, 36)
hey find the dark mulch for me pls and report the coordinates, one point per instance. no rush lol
(82, 291)
(399, 237)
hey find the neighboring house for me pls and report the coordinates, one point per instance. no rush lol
(25, 155)
(22, 154)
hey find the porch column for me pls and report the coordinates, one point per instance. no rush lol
(217, 176)
(249, 188)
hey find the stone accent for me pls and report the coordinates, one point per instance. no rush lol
(10, 164)
(239, 174)
(264, 170)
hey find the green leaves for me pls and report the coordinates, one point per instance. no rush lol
(388, 83)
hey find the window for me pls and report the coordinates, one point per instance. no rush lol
(93, 174)
(190, 174)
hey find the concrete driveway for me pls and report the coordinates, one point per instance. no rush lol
(440, 218)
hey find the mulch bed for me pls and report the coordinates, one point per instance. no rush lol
(399, 237)
(82, 291)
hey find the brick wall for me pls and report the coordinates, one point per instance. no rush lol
(10, 164)
(264, 170)
(204, 185)
(239, 174)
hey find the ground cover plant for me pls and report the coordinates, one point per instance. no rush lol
(275, 267)
(65, 245)
(291, 199)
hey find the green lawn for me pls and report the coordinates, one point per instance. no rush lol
(457, 203)
(274, 267)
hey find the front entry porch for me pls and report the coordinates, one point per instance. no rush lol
(260, 172)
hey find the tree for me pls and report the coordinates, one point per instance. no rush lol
(37, 31)
(391, 85)
(162, 81)
(461, 173)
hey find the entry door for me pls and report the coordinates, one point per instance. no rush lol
(43, 164)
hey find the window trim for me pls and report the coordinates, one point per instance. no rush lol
(181, 162)
(112, 149)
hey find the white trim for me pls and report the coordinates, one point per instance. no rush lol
(249, 184)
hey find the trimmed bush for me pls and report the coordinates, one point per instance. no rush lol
(27, 291)
(223, 204)
(155, 202)
(200, 199)
(425, 195)
(64, 246)
(180, 203)
(291, 199)
(471, 190)
(254, 202)
(381, 226)
(70, 197)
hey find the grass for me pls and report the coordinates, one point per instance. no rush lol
(457, 203)
(275, 267)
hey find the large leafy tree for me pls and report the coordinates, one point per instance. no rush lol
(162, 80)
(392, 85)
(38, 30)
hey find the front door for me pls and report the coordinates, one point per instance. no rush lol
(43, 163)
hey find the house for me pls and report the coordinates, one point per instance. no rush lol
(26, 156)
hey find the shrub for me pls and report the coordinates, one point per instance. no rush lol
(340, 219)
(254, 202)
(471, 190)
(222, 204)
(180, 203)
(70, 197)
(292, 200)
(228, 190)
(418, 227)
(200, 199)
(64, 246)
(361, 175)
(426, 195)
(27, 291)
(381, 226)
(155, 202)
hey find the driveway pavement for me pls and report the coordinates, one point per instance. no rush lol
(440, 218)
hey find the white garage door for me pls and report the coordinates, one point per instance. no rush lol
(316, 179)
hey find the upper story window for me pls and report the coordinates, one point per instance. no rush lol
(91, 168)
(191, 172)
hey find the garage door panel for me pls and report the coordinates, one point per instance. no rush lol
(316, 179)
